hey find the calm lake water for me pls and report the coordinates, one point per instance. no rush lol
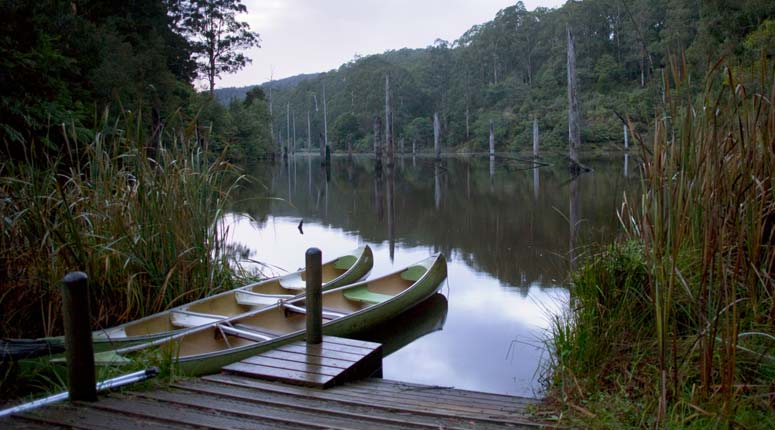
(505, 229)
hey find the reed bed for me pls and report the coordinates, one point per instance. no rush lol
(676, 325)
(140, 215)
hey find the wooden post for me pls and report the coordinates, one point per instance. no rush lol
(574, 117)
(79, 353)
(492, 140)
(535, 137)
(436, 132)
(314, 296)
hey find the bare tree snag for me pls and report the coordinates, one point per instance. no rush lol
(436, 135)
(388, 123)
(574, 117)
(535, 137)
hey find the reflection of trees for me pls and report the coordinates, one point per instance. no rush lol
(497, 227)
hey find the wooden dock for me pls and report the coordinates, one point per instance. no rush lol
(334, 361)
(236, 402)
(256, 393)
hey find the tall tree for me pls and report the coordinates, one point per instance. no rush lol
(217, 36)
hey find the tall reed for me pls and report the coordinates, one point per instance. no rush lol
(705, 335)
(140, 215)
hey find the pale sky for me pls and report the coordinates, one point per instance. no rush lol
(307, 36)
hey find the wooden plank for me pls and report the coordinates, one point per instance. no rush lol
(85, 418)
(303, 358)
(371, 402)
(433, 401)
(457, 391)
(364, 368)
(428, 404)
(318, 352)
(324, 406)
(350, 342)
(445, 394)
(22, 424)
(261, 360)
(177, 415)
(324, 349)
(274, 374)
(277, 413)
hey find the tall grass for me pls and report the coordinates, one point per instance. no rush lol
(697, 332)
(140, 217)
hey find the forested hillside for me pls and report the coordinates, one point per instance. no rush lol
(513, 68)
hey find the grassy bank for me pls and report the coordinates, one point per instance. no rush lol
(139, 215)
(675, 327)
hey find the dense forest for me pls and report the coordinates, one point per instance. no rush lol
(513, 68)
(82, 64)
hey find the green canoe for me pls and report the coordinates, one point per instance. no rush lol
(346, 310)
(343, 270)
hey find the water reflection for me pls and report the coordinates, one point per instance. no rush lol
(507, 240)
(425, 318)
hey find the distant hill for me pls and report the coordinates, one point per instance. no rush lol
(226, 95)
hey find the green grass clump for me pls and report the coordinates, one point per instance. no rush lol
(680, 320)
(140, 214)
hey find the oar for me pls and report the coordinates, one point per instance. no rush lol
(107, 384)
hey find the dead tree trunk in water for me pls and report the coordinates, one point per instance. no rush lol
(492, 140)
(436, 137)
(322, 144)
(626, 139)
(288, 129)
(535, 137)
(377, 143)
(468, 128)
(574, 118)
(293, 148)
(325, 119)
(309, 134)
(388, 123)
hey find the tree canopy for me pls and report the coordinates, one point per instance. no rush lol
(513, 68)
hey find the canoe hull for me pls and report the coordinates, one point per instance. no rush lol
(421, 290)
(105, 340)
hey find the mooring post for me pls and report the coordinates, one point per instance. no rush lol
(314, 296)
(79, 352)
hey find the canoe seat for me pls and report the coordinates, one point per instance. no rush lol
(182, 318)
(328, 314)
(361, 293)
(244, 332)
(413, 273)
(345, 262)
(293, 281)
(250, 298)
